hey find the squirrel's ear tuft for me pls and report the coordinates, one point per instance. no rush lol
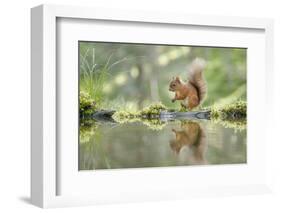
(177, 78)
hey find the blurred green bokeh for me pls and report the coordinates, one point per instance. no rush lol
(132, 76)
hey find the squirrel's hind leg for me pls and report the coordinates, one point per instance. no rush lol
(193, 102)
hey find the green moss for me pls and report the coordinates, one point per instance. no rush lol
(87, 105)
(215, 113)
(231, 116)
(234, 111)
(123, 116)
(153, 110)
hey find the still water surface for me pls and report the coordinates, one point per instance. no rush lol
(134, 145)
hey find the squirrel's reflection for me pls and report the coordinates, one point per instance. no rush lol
(191, 136)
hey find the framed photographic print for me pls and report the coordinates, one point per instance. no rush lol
(132, 106)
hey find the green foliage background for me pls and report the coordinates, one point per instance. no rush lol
(131, 76)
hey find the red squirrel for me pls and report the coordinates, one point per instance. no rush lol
(193, 92)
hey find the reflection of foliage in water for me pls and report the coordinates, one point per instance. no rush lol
(90, 138)
(154, 124)
(240, 124)
(98, 149)
(88, 128)
(132, 145)
(231, 116)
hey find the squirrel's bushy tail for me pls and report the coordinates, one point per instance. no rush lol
(196, 77)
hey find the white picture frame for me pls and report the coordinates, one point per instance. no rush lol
(44, 107)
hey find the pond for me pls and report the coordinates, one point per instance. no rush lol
(105, 145)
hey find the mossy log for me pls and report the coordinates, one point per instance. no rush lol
(106, 115)
(165, 115)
